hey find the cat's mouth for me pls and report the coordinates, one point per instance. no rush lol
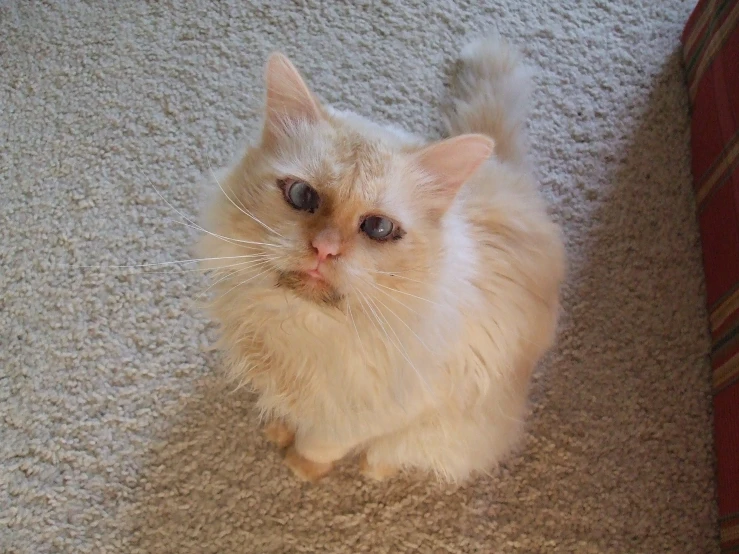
(310, 285)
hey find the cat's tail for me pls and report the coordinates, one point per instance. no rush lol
(490, 96)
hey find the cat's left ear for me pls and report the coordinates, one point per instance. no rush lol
(289, 100)
(447, 164)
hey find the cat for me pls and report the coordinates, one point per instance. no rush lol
(387, 297)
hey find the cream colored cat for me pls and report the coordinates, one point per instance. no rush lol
(386, 296)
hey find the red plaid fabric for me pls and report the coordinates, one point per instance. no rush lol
(711, 55)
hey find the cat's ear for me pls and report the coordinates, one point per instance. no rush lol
(289, 100)
(447, 164)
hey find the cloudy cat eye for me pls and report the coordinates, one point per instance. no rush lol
(380, 228)
(300, 195)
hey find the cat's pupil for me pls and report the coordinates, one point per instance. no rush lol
(377, 227)
(302, 197)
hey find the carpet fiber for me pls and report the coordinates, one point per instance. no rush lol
(116, 432)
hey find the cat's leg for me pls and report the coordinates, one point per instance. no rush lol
(282, 435)
(452, 448)
(304, 468)
(311, 457)
(377, 471)
(279, 433)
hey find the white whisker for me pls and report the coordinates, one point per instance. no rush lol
(379, 314)
(356, 330)
(192, 223)
(244, 210)
(246, 281)
(362, 304)
(211, 270)
(174, 262)
(408, 294)
(227, 276)
(404, 323)
(237, 242)
(401, 349)
(390, 296)
(394, 274)
(194, 301)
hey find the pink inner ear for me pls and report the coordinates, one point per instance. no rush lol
(451, 162)
(289, 99)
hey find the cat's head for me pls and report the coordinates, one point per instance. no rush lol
(332, 207)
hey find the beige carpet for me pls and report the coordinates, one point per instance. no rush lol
(115, 435)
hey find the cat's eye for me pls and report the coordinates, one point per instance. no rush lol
(379, 228)
(301, 196)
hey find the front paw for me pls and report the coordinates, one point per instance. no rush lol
(305, 469)
(376, 472)
(279, 433)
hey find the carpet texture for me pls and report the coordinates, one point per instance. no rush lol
(116, 432)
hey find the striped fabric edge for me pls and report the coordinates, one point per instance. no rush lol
(725, 359)
(696, 38)
(702, 59)
(719, 172)
(729, 529)
(726, 374)
(723, 310)
(716, 13)
(696, 26)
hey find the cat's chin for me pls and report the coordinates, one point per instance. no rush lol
(310, 288)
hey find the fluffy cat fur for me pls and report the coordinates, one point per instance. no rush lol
(416, 352)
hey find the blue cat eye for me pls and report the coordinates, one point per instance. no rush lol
(379, 228)
(301, 196)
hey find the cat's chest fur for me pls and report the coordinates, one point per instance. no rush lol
(320, 366)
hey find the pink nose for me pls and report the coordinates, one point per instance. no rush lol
(327, 243)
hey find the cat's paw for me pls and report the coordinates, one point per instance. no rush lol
(279, 433)
(376, 472)
(305, 469)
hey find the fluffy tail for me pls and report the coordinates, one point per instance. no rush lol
(491, 95)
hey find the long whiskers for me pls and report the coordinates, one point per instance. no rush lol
(404, 323)
(408, 294)
(399, 346)
(237, 242)
(356, 330)
(395, 314)
(232, 273)
(172, 262)
(406, 306)
(395, 274)
(212, 270)
(245, 281)
(198, 227)
(241, 208)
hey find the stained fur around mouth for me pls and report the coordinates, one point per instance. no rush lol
(325, 295)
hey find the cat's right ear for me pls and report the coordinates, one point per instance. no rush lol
(289, 100)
